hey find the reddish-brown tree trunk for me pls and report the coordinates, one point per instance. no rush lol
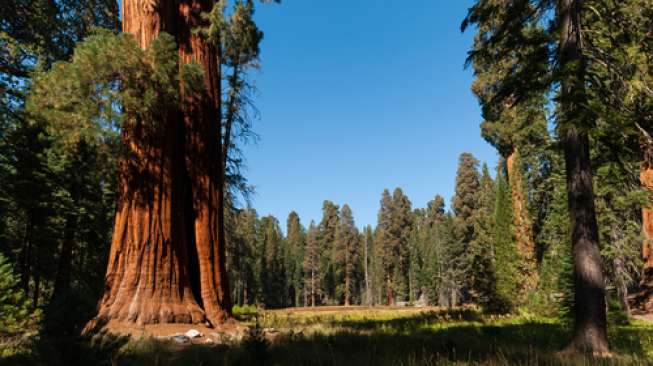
(204, 163)
(521, 221)
(147, 277)
(347, 290)
(389, 295)
(644, 300)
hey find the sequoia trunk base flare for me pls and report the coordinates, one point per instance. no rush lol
(167, 259)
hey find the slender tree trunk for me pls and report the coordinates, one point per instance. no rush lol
(147, 277)
(389, 295)
(347, 275)
(203, 149)
(37, 288)
(62, 279)
(590, 327)
(367, 279)
(312, 288)
(347, 289)
(521, 221)
(26, 258)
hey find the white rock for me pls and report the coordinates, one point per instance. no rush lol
(181, 339)
(193, 333)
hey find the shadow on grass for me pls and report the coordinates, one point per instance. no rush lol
(432, 338)
(415, 340)
(60, 340)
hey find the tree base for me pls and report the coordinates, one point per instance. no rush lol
(641, 303)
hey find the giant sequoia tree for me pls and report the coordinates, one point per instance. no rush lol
(160, 83)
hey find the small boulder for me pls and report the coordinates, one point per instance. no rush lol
(193, 333)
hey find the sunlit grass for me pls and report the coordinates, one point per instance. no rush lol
(387, 336)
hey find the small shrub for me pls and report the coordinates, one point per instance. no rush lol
(245, 312)
(18, 322)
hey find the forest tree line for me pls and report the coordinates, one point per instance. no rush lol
(469, 253)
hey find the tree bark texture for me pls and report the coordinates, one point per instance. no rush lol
(204, 162)
(644, 299)
(148, 277)
(521, 222)
(590, 327)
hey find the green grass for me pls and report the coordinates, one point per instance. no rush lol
(391, 337)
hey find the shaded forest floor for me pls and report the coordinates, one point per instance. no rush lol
(365, 336)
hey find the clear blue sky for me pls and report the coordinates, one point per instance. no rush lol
(357, 96)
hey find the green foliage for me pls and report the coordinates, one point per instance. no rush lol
(481, 250)
(17, 319)
(245, 312)
(347, 258)
(464, 202)
(109, 83)
(326, 236)
(271, 271)
(312, 266)
(505, 249)
(555, 291)
(392, 240)
(294, 257)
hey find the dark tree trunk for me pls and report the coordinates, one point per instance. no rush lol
(36, 295)
(389, 295)
(62, 279)
(26, 259)
(590, 328)
(147, 277)
(204, 162)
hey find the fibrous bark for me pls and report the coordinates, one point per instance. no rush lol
(204, 161)
(522, 222)
(147, 277)
(644, 299)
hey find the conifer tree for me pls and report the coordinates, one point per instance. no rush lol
(434, 247)
(368, 268)
(505, 250)
(481, 251)
(464, 204)
(347, 257)
(556, 289)
(294, 256)
(312, 269)
(385, 247)
(392, 239)
(274, 289)
(546, 60)
(327, 242)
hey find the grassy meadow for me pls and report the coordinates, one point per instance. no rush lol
(366, 336)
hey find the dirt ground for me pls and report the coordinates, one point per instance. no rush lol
(208, 335)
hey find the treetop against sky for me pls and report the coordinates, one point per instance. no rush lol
(358, 96)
